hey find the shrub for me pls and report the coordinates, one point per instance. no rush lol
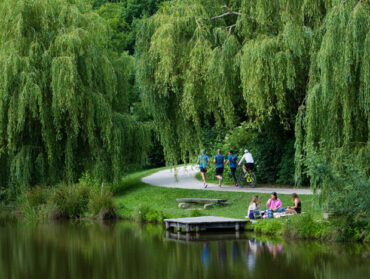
(101, 200)
(303, 226)
(269, 226)
(70, 201)
(37, 196)
(146, 214)
(196, 213)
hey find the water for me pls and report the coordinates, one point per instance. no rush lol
(129, 250)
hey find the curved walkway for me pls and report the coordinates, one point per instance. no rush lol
(184, 178)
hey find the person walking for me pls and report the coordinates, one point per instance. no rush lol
(203, 162)
(249, 162)
(232, 160)
(219, 160)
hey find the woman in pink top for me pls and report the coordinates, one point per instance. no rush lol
(274, 203)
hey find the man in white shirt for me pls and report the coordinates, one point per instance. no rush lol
(249, 162)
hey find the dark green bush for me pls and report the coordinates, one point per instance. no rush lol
(101, 200)
(37, 196)
(146, 214)
(71, 201)
(303, 226)
(269, 226)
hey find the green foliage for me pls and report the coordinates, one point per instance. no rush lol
(336, 114)
(303, 226)
(146, 214)
(62, 97)
(70, 201)
(343, 192)
(269, 226)
(293, 70)
(37, 196)
(101, 200)
(123, 17)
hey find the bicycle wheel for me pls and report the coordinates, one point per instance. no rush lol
(241, 179)
(252, 180)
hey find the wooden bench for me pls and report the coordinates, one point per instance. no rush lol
(186, 202)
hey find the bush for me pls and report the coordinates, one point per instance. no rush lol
(101, 200)
(146, 214)
(37, 196)
(303, 226)
(269, 226)
(70, 201)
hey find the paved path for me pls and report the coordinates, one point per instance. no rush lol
(184, 178)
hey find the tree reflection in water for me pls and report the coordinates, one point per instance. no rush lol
(129, 250)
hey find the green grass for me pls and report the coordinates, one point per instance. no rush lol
(136, 198)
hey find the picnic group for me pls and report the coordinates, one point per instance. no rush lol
(274, 204)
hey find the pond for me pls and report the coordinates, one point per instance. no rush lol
(130, 250)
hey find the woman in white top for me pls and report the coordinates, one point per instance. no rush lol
(253, 205)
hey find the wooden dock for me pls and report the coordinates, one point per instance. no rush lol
(204, 223)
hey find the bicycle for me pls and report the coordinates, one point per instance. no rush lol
(249, 179)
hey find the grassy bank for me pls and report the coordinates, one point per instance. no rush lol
(139, 201)
(134, 196)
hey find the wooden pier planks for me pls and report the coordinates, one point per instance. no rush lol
(205, 222)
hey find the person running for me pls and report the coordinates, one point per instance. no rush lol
(203, 162)
(219, 160)
(249, 162)
(232, 160)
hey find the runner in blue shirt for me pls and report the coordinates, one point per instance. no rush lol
(219, 161)
(203, 162)
(232, 160)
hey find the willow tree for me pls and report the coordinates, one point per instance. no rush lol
(188, 71)
(63, 102)
(334, 121)
(226, 61)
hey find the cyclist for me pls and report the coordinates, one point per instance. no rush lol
(249, 162)
(203, 162)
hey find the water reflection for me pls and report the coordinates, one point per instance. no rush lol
(130, 250)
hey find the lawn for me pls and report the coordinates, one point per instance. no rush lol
(134, 196)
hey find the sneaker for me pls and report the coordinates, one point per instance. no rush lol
(205, 185)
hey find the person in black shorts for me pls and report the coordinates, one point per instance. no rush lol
(219, 160)
(249, 162)
(203, 162)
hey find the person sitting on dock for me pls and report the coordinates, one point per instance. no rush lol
(297, 208)
(274, 203)
(203, 162)
(253, 206)
(219, 160)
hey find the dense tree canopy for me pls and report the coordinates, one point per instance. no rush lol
(300, 65)
(83, 83)
(63, 97)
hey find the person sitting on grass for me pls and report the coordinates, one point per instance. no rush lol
(274, 203)
(219, 160)
(253, 205)
(203, 162)
(297, 208)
